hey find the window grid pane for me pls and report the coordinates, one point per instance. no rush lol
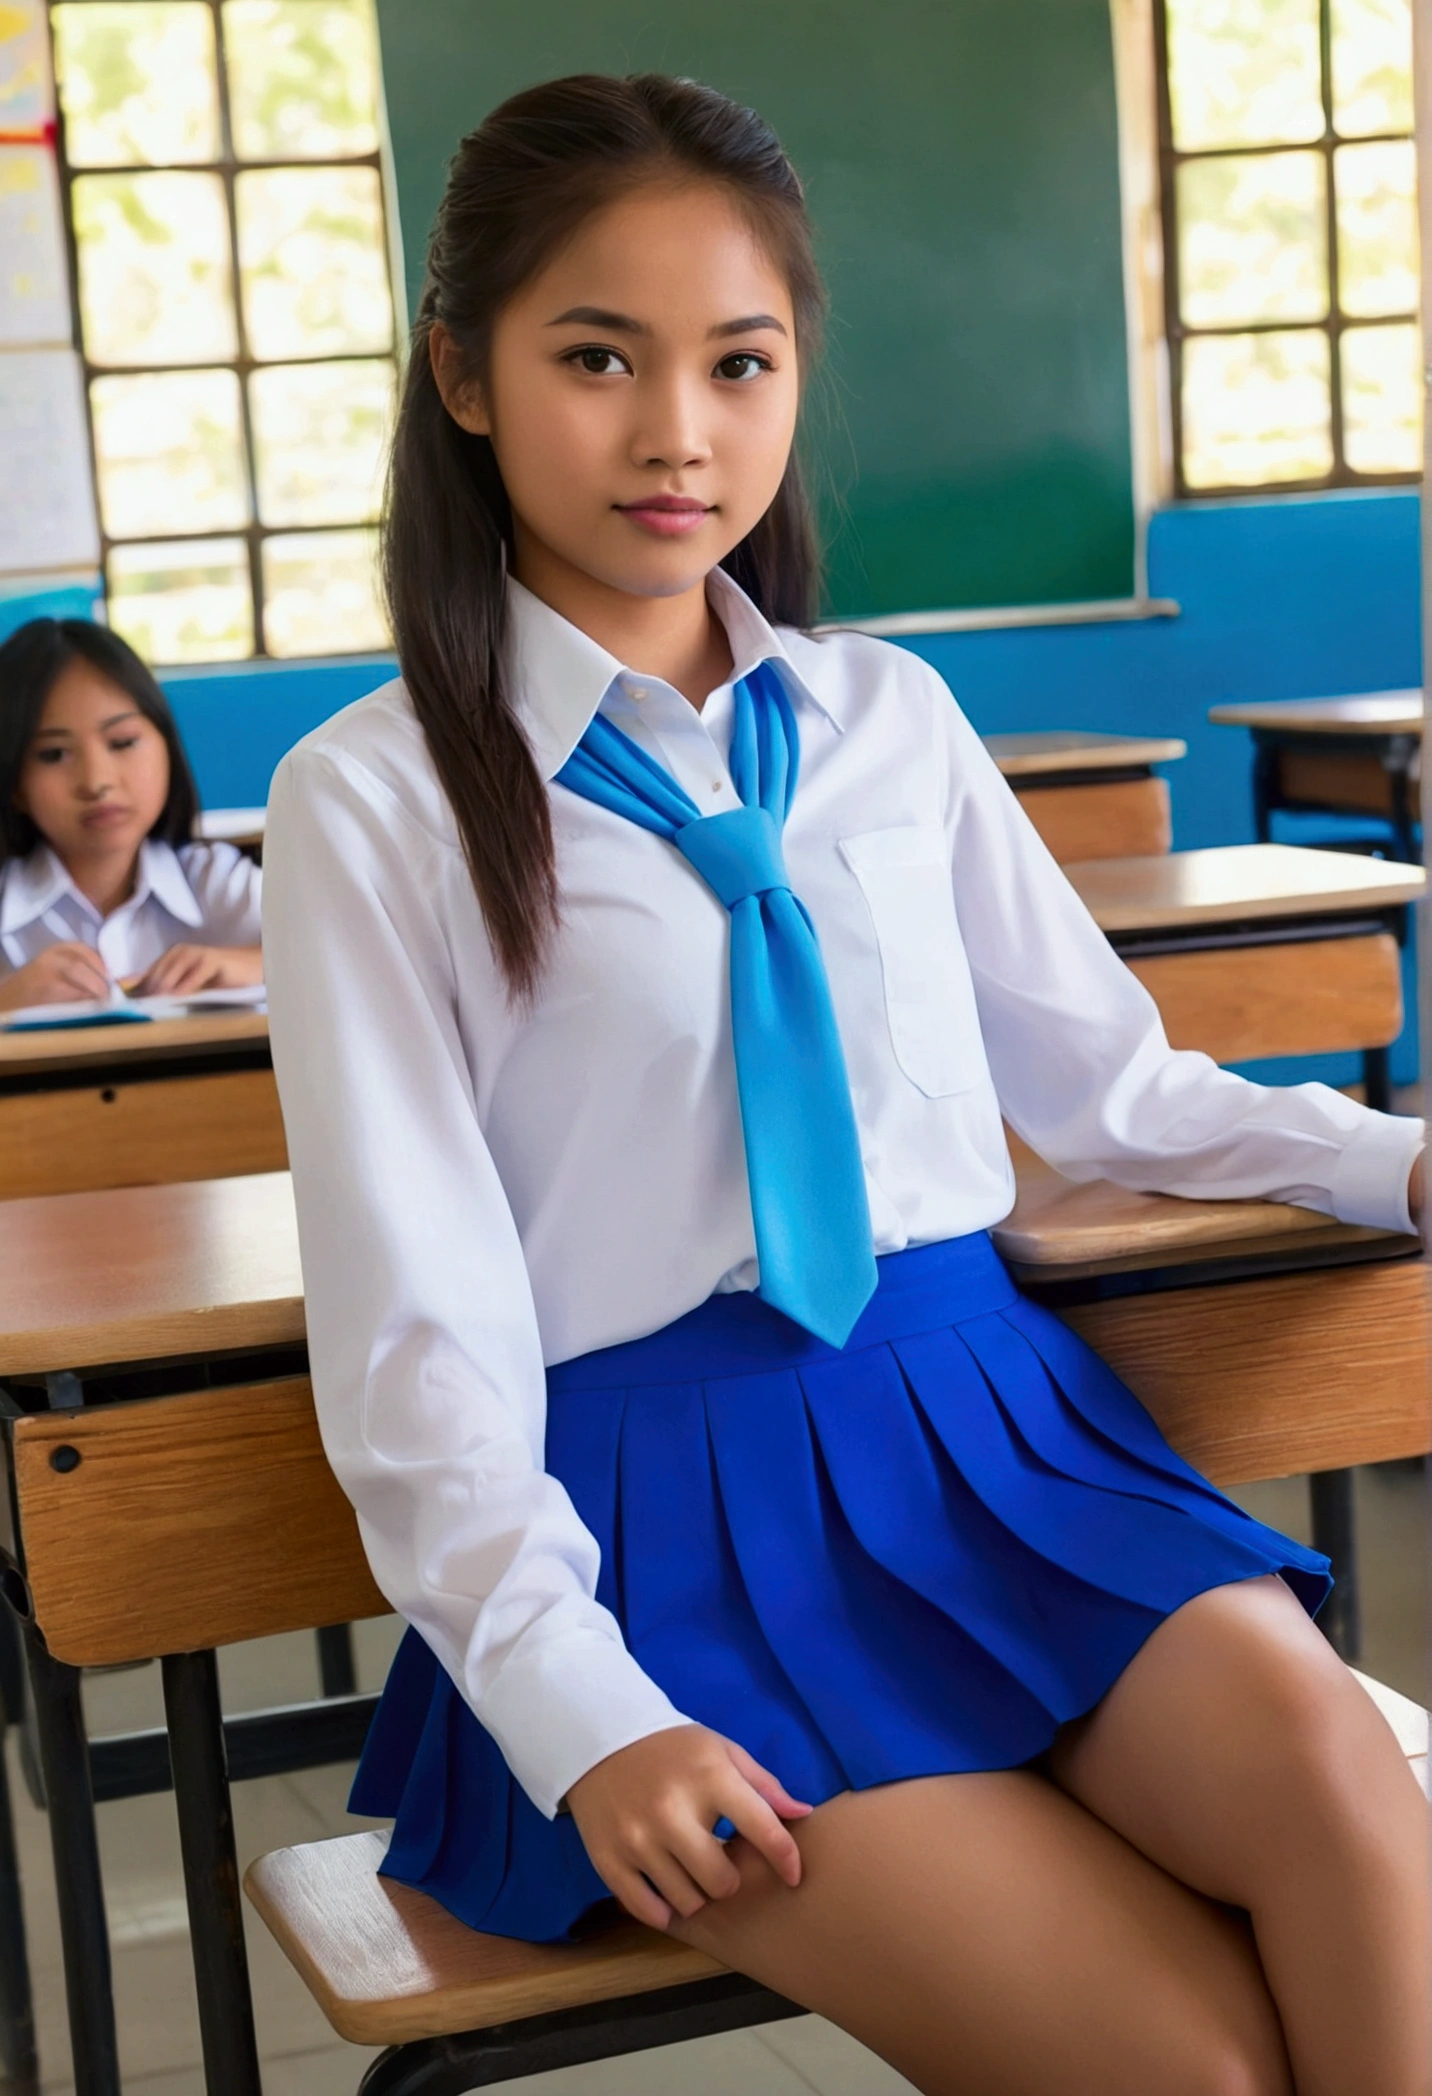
(1251, 239)
(225, 487)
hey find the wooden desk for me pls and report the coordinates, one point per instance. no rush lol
(1263, 1339)
(1091, 796)
(1255, 950)
(1351, 756)
(175, 1099)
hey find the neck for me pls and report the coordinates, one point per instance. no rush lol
(106, 879)
(677, 639)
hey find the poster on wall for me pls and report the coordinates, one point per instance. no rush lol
(27, 101)
(34, 292)
(47, 519)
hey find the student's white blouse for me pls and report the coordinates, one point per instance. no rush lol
(482, 1187)
(201, 894)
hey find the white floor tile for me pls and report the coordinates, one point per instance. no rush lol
(830, 2061)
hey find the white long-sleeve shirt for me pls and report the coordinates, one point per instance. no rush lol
(199, 892)
(483, 1188)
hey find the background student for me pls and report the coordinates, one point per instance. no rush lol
(101, 881)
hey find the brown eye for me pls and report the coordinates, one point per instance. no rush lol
(742, 364)
(601, 363)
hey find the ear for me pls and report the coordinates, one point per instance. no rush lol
(461, 394)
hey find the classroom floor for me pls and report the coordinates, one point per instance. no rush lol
(158, 2030)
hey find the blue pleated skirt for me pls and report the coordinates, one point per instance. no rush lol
(918, 1554)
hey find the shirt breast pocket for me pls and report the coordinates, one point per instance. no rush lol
(904, 875)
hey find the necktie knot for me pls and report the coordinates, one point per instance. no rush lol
(737, 854)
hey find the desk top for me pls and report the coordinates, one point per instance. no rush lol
(241, 826)
(141, 1273)
(1072, 749)
(201, 1035)
(1058, 1231)
(1233, 883)
(152, 1272)
(1368, 713)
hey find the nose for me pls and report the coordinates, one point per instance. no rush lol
(671, 431)
(94, 774)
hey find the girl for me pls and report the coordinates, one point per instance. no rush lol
(649, 977)
(101, 882)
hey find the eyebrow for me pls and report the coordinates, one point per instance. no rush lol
(623, 324)
(129, 713)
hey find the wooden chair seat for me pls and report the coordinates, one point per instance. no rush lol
(388, 1965)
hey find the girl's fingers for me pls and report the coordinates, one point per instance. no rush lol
(672, 1881)
(85, 976)
(705, 1861)
(750, 1815)
(766, 1785)
(637, 1897)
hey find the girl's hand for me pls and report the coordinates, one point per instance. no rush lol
(184, 969)
(647, 1812)
(62, 974)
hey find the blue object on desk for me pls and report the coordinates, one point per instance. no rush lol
(118, 1017)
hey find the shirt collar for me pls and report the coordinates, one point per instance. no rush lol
(37, 882)
(560, 675)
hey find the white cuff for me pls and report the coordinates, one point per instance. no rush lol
(560, 1705)
(1369, 1184)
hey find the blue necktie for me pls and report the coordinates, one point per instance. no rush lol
(813, 1239)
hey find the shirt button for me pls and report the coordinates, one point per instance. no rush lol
(715, 785)
(637, 691)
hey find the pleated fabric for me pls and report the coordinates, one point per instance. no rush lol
(918, 1554)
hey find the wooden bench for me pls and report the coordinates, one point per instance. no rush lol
(1091, 796)
(176, 1099)
(155, 1521)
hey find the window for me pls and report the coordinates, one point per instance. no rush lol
(1289, 197)
(232, 281)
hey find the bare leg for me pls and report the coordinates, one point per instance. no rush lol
(989, 1937)
(1238, 1752)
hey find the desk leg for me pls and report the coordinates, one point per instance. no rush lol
(18, 2060)
(211, 1874)
(337, 1669)
(1335, 1534)
(74, 1842)
(1377, 1079)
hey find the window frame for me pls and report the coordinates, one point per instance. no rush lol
(243, 363)
(1334, 323)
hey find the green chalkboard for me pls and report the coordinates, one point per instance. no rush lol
(972, 426)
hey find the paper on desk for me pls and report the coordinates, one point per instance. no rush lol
(124, 1011)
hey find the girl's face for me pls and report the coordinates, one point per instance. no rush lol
(96, 775)
(642, 395)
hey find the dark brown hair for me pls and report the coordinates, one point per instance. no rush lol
(518, 187)
(31, 661)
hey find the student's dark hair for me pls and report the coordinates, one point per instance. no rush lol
(31, 662)
(518, 188)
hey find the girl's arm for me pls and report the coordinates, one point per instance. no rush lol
(427, 1366)
(1080, 1061)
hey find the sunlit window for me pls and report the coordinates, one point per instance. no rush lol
(1290, 222)
(236, 316)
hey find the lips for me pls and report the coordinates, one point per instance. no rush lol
(666, 516)
(109, 815)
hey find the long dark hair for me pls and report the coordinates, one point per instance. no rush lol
(517, 188)
(31, 662)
